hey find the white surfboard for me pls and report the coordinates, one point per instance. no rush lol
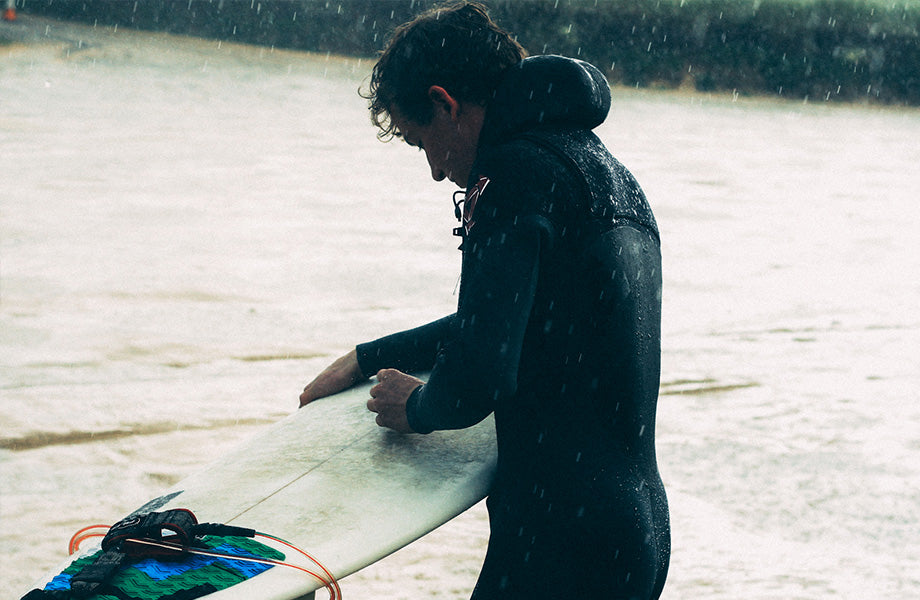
(333, 483)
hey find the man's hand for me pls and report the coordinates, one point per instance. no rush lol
(389, 396)
(341, 374)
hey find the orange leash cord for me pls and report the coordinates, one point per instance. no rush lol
(335, 592)
(329, 581)
(83, 535)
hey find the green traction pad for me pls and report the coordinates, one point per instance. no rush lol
(159, 579)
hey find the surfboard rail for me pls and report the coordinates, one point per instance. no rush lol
(329, 480)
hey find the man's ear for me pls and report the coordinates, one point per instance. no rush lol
(442, 99)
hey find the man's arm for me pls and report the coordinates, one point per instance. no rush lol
(340, 375)
(478, 368)
(411, 351)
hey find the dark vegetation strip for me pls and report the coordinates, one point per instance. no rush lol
(852, 50)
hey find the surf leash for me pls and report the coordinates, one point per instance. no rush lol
(172, 542)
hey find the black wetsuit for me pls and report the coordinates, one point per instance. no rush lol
(557, 332)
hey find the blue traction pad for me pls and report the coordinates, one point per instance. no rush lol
(151, 578)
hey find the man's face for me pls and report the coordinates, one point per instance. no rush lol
(449, 140)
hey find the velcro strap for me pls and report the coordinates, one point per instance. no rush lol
(220, 529)
(175, 526)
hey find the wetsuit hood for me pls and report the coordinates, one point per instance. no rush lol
(546, 90)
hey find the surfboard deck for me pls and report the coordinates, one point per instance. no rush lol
(330, 481)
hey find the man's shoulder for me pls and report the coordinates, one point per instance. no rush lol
(523, 166)
(516, 179)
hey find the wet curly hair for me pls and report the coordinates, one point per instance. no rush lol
(455, 46)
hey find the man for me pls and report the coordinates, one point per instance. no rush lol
(557, 329)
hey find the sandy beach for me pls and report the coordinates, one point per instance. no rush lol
(191, 229)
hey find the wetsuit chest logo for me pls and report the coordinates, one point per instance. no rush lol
(469, 203)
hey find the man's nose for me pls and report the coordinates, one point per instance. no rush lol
(437, 173)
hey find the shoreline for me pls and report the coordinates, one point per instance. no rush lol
(839, 50)
(31, 30)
